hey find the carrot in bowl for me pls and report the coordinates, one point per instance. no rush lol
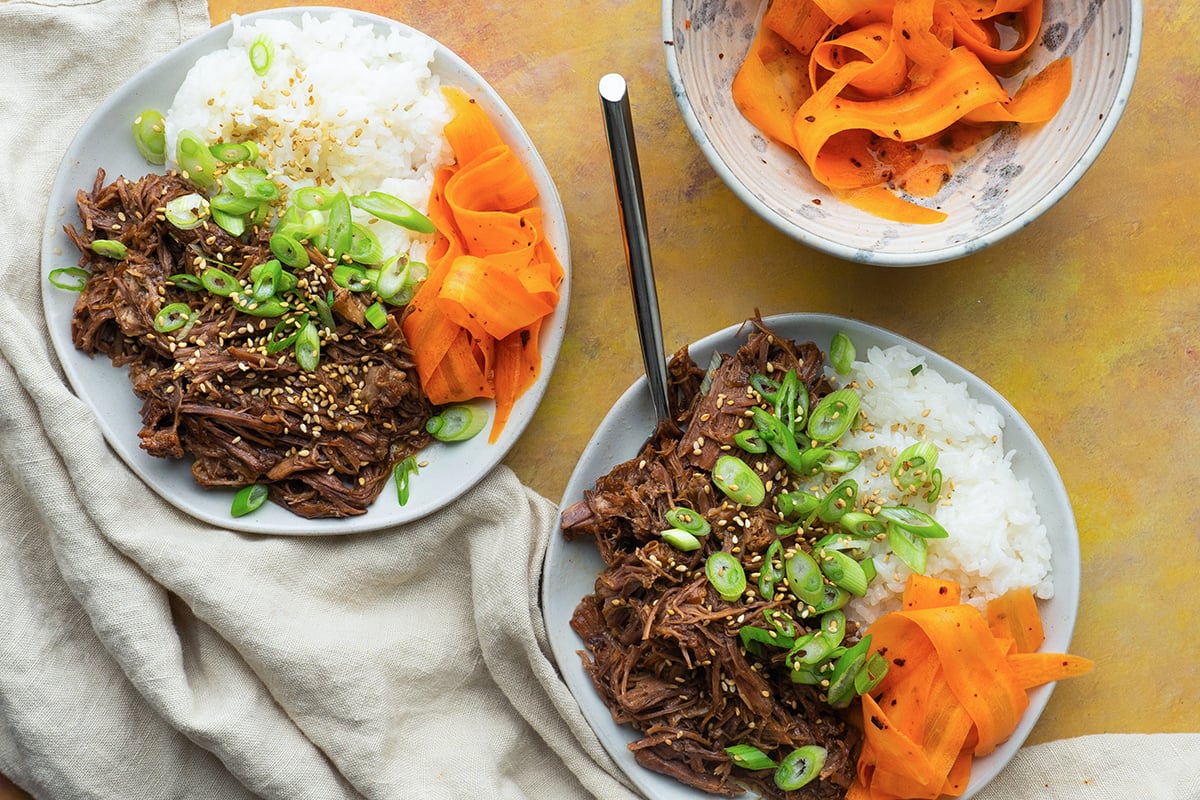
(493, 278)
(874, 96)
(955, 688)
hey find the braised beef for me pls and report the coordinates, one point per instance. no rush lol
(662, 647)
(325, 441)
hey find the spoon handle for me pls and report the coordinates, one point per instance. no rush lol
(618, 124)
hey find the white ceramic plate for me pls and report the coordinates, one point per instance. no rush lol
(571, 567)
(105, 141)
(998, 192)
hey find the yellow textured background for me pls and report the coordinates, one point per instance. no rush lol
(1088, 320)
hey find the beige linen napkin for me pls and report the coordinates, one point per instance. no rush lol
(145, 655)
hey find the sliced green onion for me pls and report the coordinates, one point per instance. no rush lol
(402, 474)
(376, 315)
(913, 466)
(685, 519)
(271, 307)
(110, 248)
(841, 461)
(252, 184)
(914, 521)
(248, 498)
(340, 229)
(767, 388)
(417, 272)
(750, 440)
(804, 577)
(219, 282)
(800, 767)
(392, 276)
(149, 134)
(234, 152)
(233, 224)
(770, 574)
(278, 340)
(308, 347)
(751, 637)
(681, 540)
(312, 198)
(289, 250)
(833, 416)
(840, 500)
(232, 204)
(813, 648)
(807, 674)
(833, 598)
(351, 277)
(917, 369)
(738, 481)
(749, 757)
(778, 436)
(185, 280)
(172, 317)
(781, 622)
(872, 672)
(843, 571)
(935, 486)
(845, 671)
(262, 53)
(186, 211)
(860, 523)
(457, 423)
(393, 209)
(912, 550)
(841, 353)
(365, 247)
(796, 504)
(324, 312)
(788, 408)
(726, 574)
(195, 159)
(263, 287)
(73, 279)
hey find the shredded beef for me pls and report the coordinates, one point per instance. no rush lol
(662, 645)
(325, 441)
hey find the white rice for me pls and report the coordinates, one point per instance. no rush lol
(342, 105)
(997, 540)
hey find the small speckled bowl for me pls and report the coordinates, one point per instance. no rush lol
(1008, 184)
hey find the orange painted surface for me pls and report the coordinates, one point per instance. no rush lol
(1088, 320)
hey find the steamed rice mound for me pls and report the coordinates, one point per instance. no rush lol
(997, 540)
(341, 106)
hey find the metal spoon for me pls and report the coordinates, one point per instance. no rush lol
(618, 124)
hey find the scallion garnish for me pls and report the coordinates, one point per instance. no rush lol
(457, 423)
(402, 474)
(172, 317)
(73, 279)
(749, 757)
(841, 353)
(262, 53)
(725, 574)
(248, 498)
(800, 767)
(738, 481)
(110, 248)
(393, 209)
(149, 134)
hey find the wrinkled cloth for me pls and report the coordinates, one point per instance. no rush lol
(146, 655)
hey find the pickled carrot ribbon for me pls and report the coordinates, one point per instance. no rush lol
(474, 323)
(955, 688)
(861, 89)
